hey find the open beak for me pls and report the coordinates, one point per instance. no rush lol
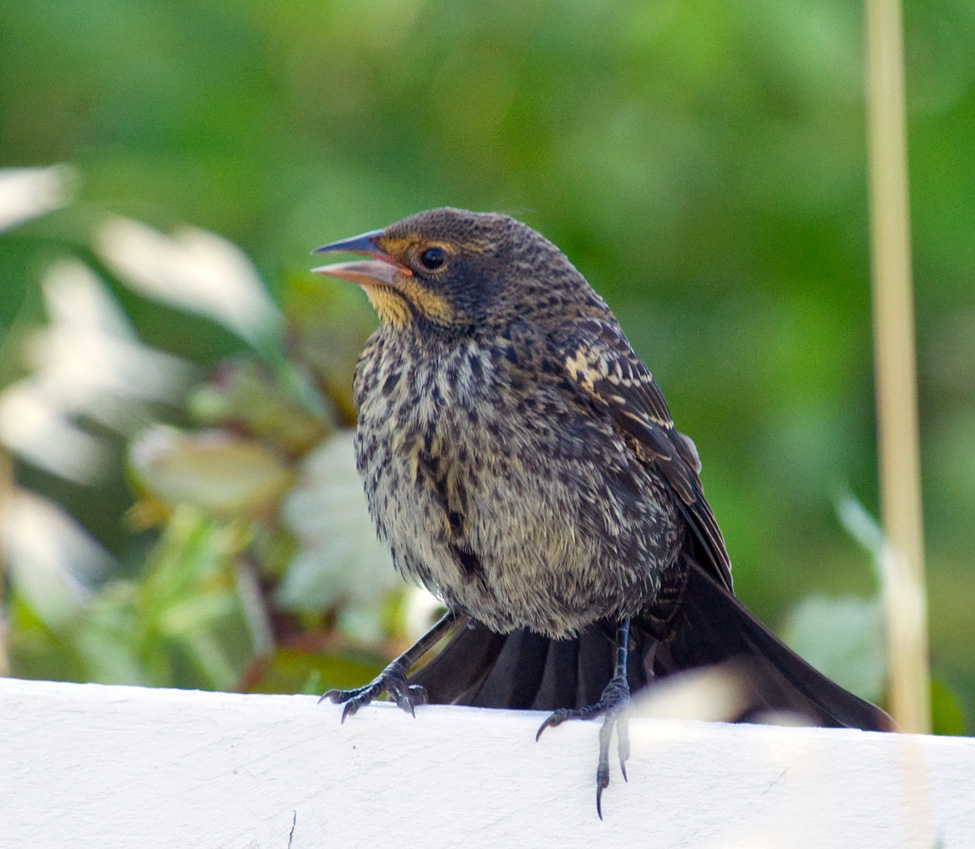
(381, 270)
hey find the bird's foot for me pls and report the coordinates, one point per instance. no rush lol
(392, 681)
(612, 707)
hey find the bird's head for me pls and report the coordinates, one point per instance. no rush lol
(458, 270)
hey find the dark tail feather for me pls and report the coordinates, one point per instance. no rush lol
(713, 627)
(456, 673)
(525, 670)
(520, 670)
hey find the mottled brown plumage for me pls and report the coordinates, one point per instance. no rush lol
(521, 462)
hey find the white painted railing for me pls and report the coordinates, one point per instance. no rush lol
(95, 766)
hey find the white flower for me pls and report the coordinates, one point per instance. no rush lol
(52, 559)
(27, 193)
(35, 427)
(192, 269)
(86, 362)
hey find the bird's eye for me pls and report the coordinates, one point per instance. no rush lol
(433, 258)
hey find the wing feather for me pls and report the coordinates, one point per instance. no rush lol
(598, 358)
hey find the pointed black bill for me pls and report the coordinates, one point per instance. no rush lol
(361, 244)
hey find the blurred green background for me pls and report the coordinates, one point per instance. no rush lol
(703, 164)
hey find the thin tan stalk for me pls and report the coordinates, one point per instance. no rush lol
(895, 367)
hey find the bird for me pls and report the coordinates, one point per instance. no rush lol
(519, 460)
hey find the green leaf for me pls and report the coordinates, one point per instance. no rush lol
(339, 561)
(843, 638)
(946, 714)
(214, 471)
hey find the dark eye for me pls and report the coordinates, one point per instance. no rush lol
(433, 258)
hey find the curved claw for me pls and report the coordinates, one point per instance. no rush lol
(602, 769)
(554, 719)
(602, 782)
(391, 680)
(335, 696)
(611, 707)
(608, 702)
(409, 697)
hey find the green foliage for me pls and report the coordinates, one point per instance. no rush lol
(844, 639)
(703, 164)
(946, 713)
(174, 627)
(266, 573)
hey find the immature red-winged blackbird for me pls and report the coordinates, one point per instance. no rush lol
(521, 463)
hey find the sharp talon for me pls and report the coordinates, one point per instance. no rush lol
(411, 697)
(602, 782)
(557, 718)
(602, 770)
(406, 703)
(392, 680)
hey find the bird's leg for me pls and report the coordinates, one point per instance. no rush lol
(611, 706)
(392, 679)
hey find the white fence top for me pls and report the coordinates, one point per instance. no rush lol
(84, 765)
